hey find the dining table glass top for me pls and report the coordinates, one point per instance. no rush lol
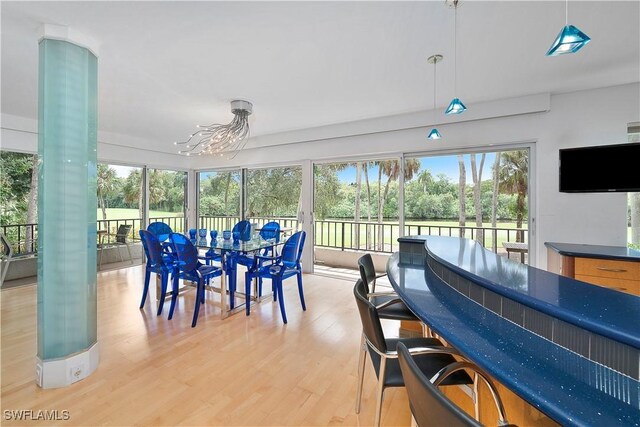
(235, 246)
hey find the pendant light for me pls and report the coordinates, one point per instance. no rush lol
(570, 39)
(456, 106)
(434, 59)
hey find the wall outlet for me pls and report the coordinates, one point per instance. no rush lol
(77, 372)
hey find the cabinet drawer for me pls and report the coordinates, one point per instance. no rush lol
(628, 286)
(626, 270)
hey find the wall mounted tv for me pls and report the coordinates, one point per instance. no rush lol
(604, 168)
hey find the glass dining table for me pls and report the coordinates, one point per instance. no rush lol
(226, 249)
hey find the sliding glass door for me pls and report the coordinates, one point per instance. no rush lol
(219, 195)
(482, 196)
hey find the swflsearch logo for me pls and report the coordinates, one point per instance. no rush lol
(37, 415)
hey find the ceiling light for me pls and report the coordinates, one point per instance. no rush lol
(570, 39)
(456, 106)
(218, 139)
(434, 59)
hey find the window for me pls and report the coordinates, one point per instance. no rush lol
(167, 200)
(219, 199)
(274, 194)
(481, 196)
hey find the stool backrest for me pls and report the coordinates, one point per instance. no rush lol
(428, 405)
(371, 326)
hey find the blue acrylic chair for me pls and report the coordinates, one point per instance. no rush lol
(270, 230)
(160, 229)
(189, 268)
(285, 265)
(157, 262)
(244, 228)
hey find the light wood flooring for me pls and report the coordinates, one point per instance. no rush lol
(238, 371)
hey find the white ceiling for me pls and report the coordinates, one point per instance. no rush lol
(166, 66)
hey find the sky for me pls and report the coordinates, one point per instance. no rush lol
(447, 164)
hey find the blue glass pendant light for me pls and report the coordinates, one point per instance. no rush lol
(434, 59)
(570, 39)
(434, 134)
(456, 106)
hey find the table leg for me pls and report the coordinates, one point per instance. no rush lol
(223, 288)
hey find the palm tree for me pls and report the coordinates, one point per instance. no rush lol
(462, 184)
(494, 199)
(476, 175)
(32, 201)
(391, 169)
(514, 175)
(106, 177)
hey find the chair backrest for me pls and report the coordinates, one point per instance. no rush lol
(371, 326)
(160, 229)
(270, 230)
(123, 232)
(152, 247)
(290, 250)
(301, 246)
(367, 272)
(185, 251)
(7, 251)
(244, 228)
(428, 405)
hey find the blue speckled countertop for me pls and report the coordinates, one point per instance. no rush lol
(601, 310)
(567, 387)
(595, 251)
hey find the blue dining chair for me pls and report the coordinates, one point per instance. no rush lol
(270, 230)
(157, 262)
(160, 229)
(284, 266)
(189, 268)
(244, 228)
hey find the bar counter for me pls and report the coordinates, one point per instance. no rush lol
(568, 348)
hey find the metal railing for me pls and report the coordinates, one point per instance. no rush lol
(220, 223)
(382, 237)
(175, 222)
(22, 237)
(334, 233)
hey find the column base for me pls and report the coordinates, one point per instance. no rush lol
(65, 371)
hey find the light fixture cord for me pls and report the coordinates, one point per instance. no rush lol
(435, 64)
(566, 13)
(455, 50)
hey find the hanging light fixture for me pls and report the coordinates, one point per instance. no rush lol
(456, 106)
(570, 39)
(434, 59)
(219, 139)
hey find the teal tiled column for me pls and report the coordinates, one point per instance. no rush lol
(67, 137)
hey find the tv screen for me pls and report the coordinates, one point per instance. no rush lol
(605, 168)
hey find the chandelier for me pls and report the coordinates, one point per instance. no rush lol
(218, 139)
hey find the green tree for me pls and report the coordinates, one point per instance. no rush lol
(106, 180)
(514, 179)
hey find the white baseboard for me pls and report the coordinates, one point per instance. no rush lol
(68, 370)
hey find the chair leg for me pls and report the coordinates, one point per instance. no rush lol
(163, 293)
(145, 289)
(120, 253)
(197, 307)
(174, 293)
(304, 306)
(361, 362)
(278, 285)
(380, 393)
(129, 250)
(247, 292)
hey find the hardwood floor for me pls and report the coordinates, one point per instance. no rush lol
(239, 371)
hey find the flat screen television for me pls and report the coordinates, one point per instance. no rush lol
(604, 168)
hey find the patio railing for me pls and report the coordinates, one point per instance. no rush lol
(333, 233)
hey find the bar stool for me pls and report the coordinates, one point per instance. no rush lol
(429, 407)
(430, 354)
